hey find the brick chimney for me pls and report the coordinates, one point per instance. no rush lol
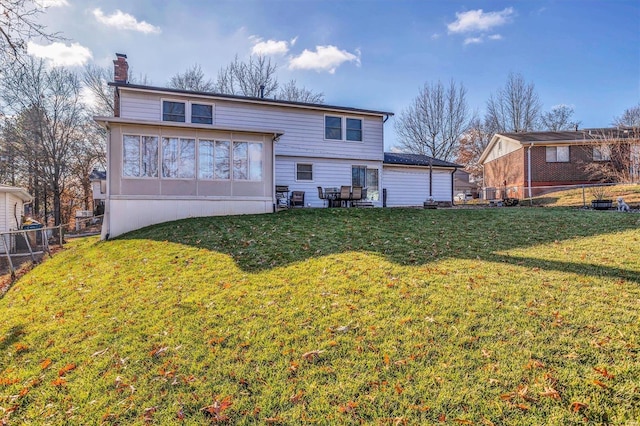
(120, 69)
(120, 75)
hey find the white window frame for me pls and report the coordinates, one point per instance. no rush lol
(140, 136)
(343, 128)
(187, 110)
(302, 163)
(555, 159)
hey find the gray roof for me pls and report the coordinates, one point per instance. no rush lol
(571, 136)
(97, 175)
(416, 160)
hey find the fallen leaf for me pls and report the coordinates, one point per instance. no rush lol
(551, 393)
(601, 384)
(577, 406)
(64, 370)
(45, 364)
(311, 355)
(603, 371)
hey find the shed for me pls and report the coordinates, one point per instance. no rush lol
(12, 201)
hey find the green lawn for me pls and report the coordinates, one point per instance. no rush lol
(334, 316)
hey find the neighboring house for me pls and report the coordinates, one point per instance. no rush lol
(462, 185)
(174, 154)
(98, 181)
(12, 202)
(526, 164)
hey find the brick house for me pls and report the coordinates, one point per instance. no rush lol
(526, 164)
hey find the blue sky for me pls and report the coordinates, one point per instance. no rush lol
(373, 54)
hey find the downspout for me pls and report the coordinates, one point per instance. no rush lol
(273, 170)
(529, 170)
(106, 218)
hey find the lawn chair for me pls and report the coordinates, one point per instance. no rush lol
(345, 195)
(322, 195)
(356, 195)
(297, 199)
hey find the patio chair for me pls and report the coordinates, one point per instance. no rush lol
(322, 195)
(356, 195)
(345, 195)
(297, 199)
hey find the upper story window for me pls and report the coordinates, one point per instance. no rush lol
(602, 153)
(557, 154)
(342, 128)
(354, 129)
(332, 127)
(201, 113)
(187, 112)
(174, 111)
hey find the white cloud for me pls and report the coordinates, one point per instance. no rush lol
(59, 54)
(52, 3)
(325, 58)
(478, 20)
(293, 41)
(269, 47)
(495, 37)
(124, 21)
(473, 40)
(435, 36)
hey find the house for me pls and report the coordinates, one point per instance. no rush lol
(526, 164)
(98, 179)
(175, 154)
(463, 185)
(12, 202)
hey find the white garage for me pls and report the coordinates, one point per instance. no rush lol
(406, 179)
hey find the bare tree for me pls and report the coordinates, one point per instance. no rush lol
(616, 155)
(471, 146)
(50, 99)
(629, 118)
(192, 79)
(559, 118)
(19, 24)
(435, 121)
(291, 92)
(255, 78)
(514, 108)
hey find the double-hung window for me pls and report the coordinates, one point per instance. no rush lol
(557, 154)
(140, 156)
(354, 129)
(201, 113)
(174, 111)
(178, 158)
(332, 127)
(187, 112)
(304, 172)
(342, 128)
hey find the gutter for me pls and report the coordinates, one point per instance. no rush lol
(455, 169)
